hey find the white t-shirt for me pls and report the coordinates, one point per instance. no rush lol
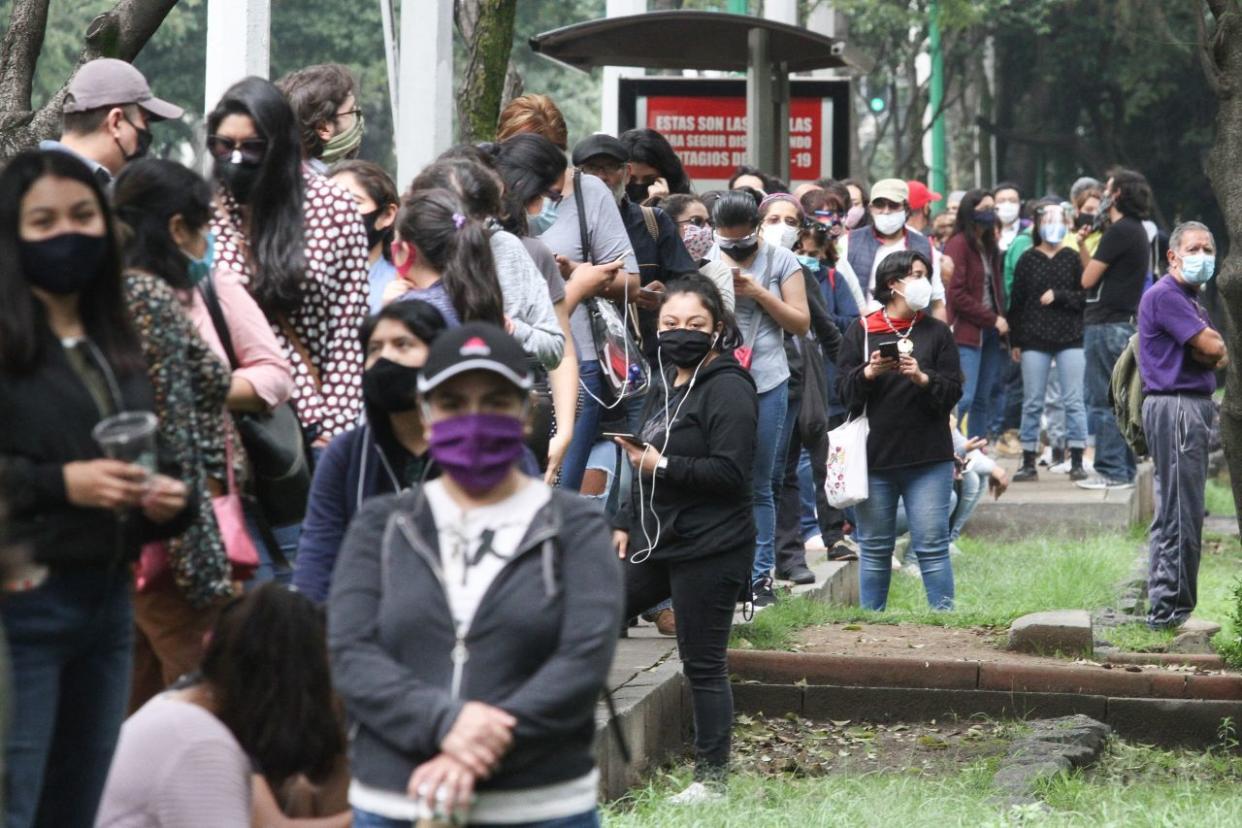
(866, 301)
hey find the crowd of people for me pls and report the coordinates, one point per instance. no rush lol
(421, 453)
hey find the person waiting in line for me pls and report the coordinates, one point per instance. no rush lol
(1180, 352)
(325, 103)
(908, 399)
(262, 703)
(860, 252)
(655, 170)
(534, 295)
(771, 300)
(69, 358)
(299, 245)
(107, 115)
(533, 113)
(976, 307)
(694, 226)
(1006, 405)
(1113, 276)
(688, 531)
(386, 455)
(1085, 195)
(376, 196)
(1009, 220)
(921, 199)
(473, 620)
(444, 259)
(1046, 311)
(752, 177)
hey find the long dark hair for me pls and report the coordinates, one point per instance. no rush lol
(709, 295)
(101, 305)
(529, 165)
(276, 205)
(439, 225)
(266, 666)
(477, 185)
(649, 147)
(379, 186)
(147, 194)
(980, 237)
(1133, 193)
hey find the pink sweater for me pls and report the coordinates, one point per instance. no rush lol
(262, 362)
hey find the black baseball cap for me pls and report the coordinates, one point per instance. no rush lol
(601, 143)
(475, 346)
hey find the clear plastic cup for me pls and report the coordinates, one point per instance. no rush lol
(129, 437)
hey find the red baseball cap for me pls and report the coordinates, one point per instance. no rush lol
(920, 196)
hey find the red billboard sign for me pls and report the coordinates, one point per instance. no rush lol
(709, 133)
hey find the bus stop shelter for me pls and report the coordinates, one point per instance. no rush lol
(767, 51)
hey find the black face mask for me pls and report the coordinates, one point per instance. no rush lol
(63, 264)
(740, 252)
(145, 139)
(390, 386)
(636, 192)
(684, 348)
(238, 179)
(374, 235)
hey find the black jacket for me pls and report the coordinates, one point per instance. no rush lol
(703, 499)
(539, 646)
(826, 334)
(46, 418)
(909, 424)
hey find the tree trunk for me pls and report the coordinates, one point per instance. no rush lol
(487, 28)
(120, 32)
(1221, 52)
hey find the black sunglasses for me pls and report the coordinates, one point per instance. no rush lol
(697, 221)
(554, 197)
(249, 151)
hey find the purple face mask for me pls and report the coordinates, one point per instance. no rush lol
(476, 450)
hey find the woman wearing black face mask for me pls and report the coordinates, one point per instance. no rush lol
(386, 455)
(688, 531)
(300, 245)
(376, 196)
(69, 358)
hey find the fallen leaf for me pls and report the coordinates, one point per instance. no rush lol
(852, 628)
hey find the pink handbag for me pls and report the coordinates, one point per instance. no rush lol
(153, 566)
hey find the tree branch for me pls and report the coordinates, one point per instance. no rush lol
(19, 52)
(1204, 48)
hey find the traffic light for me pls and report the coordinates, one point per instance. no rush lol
(877, 104)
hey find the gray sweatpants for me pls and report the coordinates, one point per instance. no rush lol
(1177, 428)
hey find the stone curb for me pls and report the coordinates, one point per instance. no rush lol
(1207, 662)
(1053, 747)
(944, 674)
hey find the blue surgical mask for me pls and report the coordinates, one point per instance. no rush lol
(199, 269)
(1198, 268)
(1052, 233)
(544, 219)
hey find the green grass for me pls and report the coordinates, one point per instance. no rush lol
(996, 582)
(1219, 500)
(1132, 787)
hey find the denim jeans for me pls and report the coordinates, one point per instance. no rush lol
(982, 367)
(974, 486)
(286, 538)
(773, 406)
(1007, 399)
(928, 488)
(1036, 365)
(587, 819)
(70, 644)
(586, 425)
(1103, 344)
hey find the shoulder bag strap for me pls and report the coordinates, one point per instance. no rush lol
(208, 291)
(582, 222)
(649, 218)
(300, 347)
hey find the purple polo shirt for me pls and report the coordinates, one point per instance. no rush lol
(1169, 317)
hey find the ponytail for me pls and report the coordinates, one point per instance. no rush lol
(436, 222)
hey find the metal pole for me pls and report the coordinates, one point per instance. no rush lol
(760, 126)
(391, 57)
(238, 45)
(780, 83)
(939, 152)
(425, 106)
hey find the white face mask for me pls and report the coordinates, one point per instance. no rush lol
(1007, 212)
(917, 293)
(889, 223)
(780, 235)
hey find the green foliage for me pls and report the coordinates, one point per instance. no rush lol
(1229, 644)
(1219, 500)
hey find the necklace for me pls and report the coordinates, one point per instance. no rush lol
(904, 346)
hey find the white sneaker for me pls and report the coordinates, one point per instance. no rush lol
(1101, 482)
(697, 794)
(1060, 468)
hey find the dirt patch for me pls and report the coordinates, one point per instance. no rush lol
(800, 747)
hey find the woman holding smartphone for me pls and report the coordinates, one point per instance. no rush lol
(900, 368)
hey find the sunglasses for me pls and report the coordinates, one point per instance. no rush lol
(697, 221)
(250, 151)
(555, 197)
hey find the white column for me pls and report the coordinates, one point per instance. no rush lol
(425, 86)
(238, 44)
(608, 116)
(782, 11)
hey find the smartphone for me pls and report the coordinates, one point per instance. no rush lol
(889, 351)
(737, 272)
(628, 438)
(654, 294)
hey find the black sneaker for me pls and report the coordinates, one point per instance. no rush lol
(798, 574)
(763, 595)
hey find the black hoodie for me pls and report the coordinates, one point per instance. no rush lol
(703, 499)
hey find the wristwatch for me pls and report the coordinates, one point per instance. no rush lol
(661, 467)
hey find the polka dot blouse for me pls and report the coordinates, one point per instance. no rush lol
(334, 301)
(1057, 325)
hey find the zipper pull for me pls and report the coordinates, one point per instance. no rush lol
(460, 653)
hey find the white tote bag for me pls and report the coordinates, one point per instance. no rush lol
(847, 482)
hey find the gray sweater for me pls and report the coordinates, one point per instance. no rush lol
(527, 303)
(539, 646)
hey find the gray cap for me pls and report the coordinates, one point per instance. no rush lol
(111, 82)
